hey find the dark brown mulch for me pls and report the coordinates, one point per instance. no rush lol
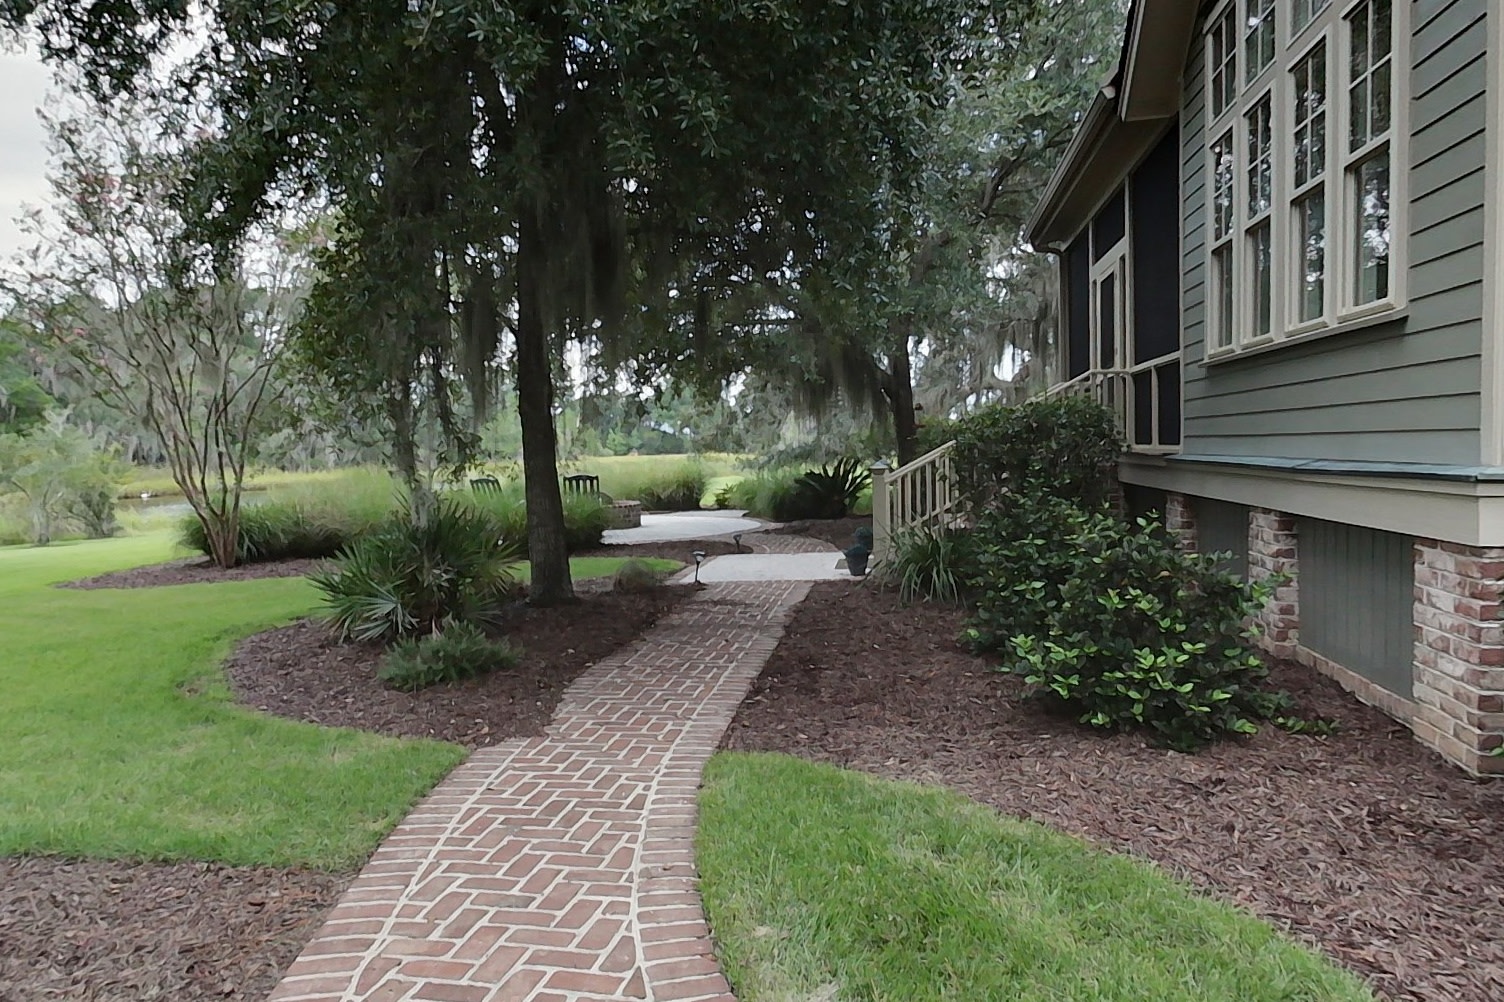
(107, 931)
(194, 570)
(1363, 843)
(303, 672)
(677, 550)
(839, 532)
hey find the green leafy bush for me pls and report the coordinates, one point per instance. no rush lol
(932, 565)
(636, 576)
(585, 517)
(462, 651)
(313, 521)
(1118, 625)
(1067, 447)
(419, 576)
(831, 491)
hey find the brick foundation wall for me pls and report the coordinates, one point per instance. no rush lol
(1272, 552)
(1180, 522)
(1459, 652)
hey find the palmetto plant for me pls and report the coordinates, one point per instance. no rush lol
(420, 573)
(832, 490)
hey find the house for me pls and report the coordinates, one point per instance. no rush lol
(1280, 232)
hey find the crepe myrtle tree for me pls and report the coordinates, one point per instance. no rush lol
(116, 301)
(510, 175)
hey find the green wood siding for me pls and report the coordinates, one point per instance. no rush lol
(1222, 527)
(1357, 604)
(1403, 391)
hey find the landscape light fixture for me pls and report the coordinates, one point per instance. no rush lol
(699, 556)
(737, 539)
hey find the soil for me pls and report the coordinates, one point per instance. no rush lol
(194, 570)
(676, 550)
(301, 671)
(1363, 843)
(839, 532)
(107, 931)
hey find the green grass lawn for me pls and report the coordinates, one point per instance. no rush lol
(827, 884)
(121, 739)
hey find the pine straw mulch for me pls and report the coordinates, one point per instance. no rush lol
(1363, 843)
(302, 671)
(106, 931)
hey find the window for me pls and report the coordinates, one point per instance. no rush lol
(1305, 11)
(1224, 177)
(1259, 129)
(1309, 154)
(1302, 167)
(1370, 99)
(1258, 36)
(1224, 61)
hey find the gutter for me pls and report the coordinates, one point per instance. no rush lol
(1099, 117)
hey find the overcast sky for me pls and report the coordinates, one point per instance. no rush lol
(23, 156)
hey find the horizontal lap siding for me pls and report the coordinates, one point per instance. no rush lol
(1406, 391)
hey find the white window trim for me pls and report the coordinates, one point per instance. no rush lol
(1291, 47)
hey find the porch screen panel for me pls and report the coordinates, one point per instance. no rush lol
(1078, 306)
(1156, 251)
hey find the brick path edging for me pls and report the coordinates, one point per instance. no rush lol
(561, 868)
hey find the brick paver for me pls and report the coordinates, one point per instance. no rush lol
(561, 868)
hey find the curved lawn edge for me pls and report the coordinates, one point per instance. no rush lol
(824, 883)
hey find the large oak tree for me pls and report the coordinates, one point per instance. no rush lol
(524, 172)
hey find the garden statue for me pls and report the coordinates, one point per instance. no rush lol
(858, 554)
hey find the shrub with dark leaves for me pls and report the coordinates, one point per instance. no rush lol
(1118, 625)
(1067, 447)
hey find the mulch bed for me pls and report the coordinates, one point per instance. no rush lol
(839, 532)
(108, 931)
(303, 672)
(681, 551)
(1363, 843)
(194, 570)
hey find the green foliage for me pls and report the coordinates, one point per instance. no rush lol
(58, 472)
(585, 517)
(23, 402)
(637, 576)
(459, 652)
(315, 520)
(832, 490)
(1118, 624)
(824, 883)
(1067, 447)
(790, 495)
(421, 573)
(929, 565)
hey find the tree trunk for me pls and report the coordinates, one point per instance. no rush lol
(901, 398)
(546, 547)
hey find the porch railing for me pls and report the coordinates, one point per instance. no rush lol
(919, 495)
(1115, 390)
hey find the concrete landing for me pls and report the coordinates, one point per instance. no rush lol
(826, 565)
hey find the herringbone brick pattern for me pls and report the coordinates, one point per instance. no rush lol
(561, 868)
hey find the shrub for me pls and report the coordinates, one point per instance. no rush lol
(1120, 626)
(636, 576)
(932, 565)
(790, 495)
(585, 517)
(313, 521)
(832, 490)
(462, 651)
(1067, 447)
(416, 576)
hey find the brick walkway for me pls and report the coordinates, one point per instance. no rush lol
(561, 868)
